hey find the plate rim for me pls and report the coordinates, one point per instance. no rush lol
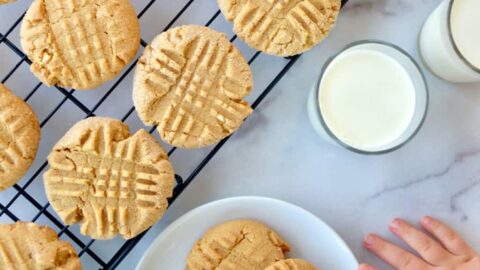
(192, 212)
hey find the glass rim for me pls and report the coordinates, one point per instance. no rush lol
(452, 39)
(324, 124)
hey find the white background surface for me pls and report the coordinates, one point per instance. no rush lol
(277, 154)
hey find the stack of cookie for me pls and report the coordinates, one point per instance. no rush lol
(242, 244)
(190, 82)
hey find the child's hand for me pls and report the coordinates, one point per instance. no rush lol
(446, 250)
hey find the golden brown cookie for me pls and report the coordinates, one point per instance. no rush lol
(109, 181)
(239, 245)
(29, 246)
(19, 137)
(79, 44)
(6, 1)
(283, 27)
(291, 264)
(191, 82)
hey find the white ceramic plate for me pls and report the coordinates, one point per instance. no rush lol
(309, 237)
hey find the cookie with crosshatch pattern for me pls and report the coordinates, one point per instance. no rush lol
(26, 245)
(283, 27)
(19, 137)
(79, 44)
(237, 244)
(191, 82)
(291, 264)
(109, 181)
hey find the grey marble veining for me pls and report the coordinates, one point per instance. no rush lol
(384, 7)
(458, 160)
(277, 153)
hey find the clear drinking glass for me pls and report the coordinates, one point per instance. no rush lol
(421, 97)
(439, 50)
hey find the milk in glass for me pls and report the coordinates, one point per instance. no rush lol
(450, 41)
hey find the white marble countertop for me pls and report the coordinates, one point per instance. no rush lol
(277, 154)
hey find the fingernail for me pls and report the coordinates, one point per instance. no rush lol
(395, 225)
(427, 221)
(370, 240)
(363, 267)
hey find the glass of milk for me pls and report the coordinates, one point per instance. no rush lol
(450, 41)
(371, 98)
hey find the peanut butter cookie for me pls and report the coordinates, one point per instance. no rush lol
(19, 137)
(283, 27)
(238, 244)
(107, 180)
(191, 82)
(29, 246)
(79, 44)
(291, 264)
(6, 1)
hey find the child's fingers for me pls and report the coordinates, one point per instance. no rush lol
(429, 249)
(366, 267)
(448, 237)
(394, 255)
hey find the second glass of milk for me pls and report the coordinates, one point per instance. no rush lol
(450, 41)
(371, 98)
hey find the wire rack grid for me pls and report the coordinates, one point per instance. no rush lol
(26, 200)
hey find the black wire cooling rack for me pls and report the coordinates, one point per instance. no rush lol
(67, 95)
